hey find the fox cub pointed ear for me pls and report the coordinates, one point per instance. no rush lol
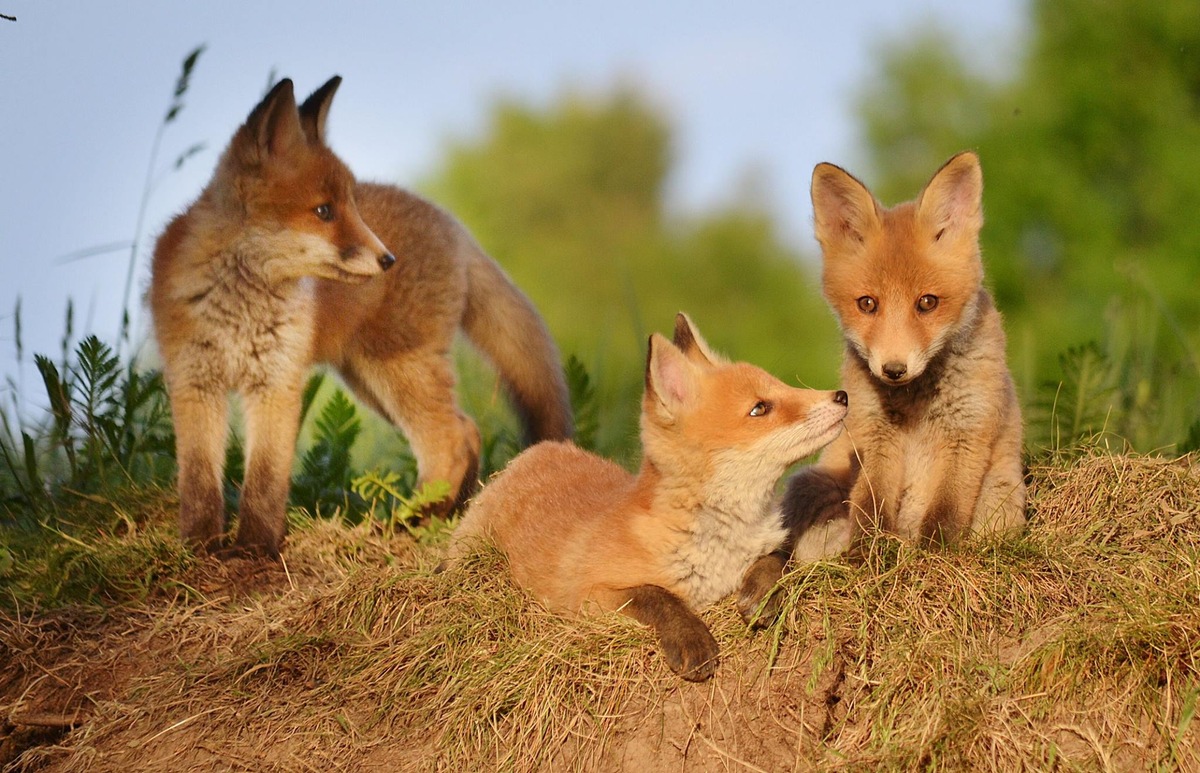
(953, 198)
(670, 382)
(844, 211)
(274, 124)
(692, 344)
(315, 110)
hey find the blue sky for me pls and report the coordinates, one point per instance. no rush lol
(84, 85)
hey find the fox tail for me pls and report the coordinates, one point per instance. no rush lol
(503, 324)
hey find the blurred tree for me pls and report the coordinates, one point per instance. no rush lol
(571, 200)
(1092, 177)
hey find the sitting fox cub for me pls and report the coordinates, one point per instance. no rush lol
(932, 448)
(579, 531)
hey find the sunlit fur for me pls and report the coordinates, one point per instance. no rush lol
(577, 529)
(282, 263)
(934, 454)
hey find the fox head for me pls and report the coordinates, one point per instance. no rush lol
(731, 423)
(293, 196)
(901, 281)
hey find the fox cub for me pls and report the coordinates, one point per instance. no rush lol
(932, 448)
(580, 532)
(284, 262)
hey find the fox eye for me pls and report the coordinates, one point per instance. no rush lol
(927, 303)
(867, 304)
(761, 408)
(324, 211)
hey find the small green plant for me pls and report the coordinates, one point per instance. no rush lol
(1140, 386)
(109, 426)
(1192, 441)
(383, 491)
(1079, 406)
(499, 443)
(325, 472)
(23, 490)
(584, 403)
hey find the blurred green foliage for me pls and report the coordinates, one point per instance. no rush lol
(1092, 184)
(1089, 143)
(570, 199)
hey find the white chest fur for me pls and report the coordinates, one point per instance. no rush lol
(714, 554)
(249, 336)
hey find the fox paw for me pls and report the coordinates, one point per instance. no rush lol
(208, 545)
(692, 653)
(255, 552)
(759, 600)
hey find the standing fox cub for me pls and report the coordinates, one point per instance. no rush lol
(932, 448)
(579, 531)
(285, 262)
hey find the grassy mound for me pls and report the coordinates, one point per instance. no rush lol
(1075, 645)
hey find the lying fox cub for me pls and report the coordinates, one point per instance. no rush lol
(580, 532)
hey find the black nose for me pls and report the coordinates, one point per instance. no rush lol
(895, 370)
(841, 398)
(386, 261)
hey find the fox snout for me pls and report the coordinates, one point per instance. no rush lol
(365, 255)
(384, 259)
(383, 256)
(818, 424)
(898, 371)
(895, 371)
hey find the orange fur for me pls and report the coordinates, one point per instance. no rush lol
(932, 450)
(286, 261)
(579, 531)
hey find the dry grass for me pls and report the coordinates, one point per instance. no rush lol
(1075, 646)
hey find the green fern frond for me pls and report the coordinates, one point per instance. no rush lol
(584, 403)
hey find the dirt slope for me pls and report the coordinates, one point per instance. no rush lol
(1073, 646)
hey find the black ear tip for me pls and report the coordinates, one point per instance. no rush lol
(322, 96)
(683, 337)
(330, 85)
(282, 90)
(279, 94)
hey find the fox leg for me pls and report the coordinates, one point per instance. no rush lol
(954, 489)
(756, 602)
(201, 423)
(689, 647)
(416, 393)
(272, 423)
(818, 524)
(816, 513)
(1001, 506)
